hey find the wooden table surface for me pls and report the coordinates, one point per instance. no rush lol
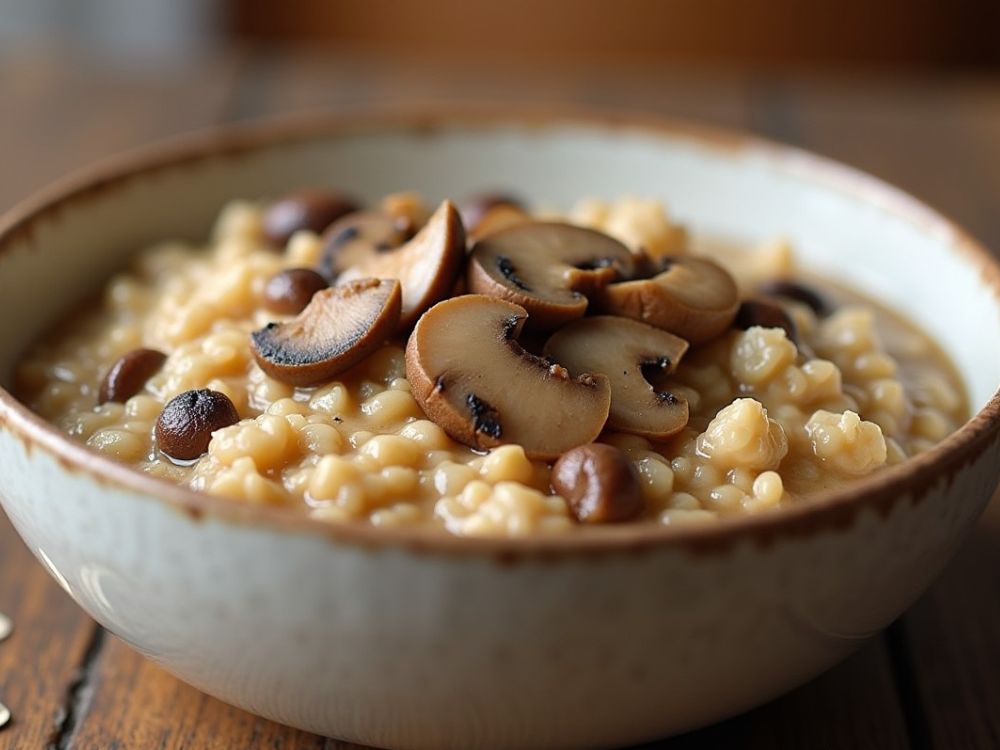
(931, 681)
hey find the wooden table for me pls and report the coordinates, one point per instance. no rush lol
(931, 681)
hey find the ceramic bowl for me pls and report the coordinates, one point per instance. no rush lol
(411, 639)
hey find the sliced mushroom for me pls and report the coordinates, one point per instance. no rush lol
(339, 327)
(471, 377)
(628, 352)
(693, 298)
(358, 236)
(547, 268)
(426, 266)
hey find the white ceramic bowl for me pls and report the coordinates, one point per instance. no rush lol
(408, 639)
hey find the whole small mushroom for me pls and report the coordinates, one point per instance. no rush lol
(309, 208)
(289, 291)
(128, 375)
(470, 376)
(488, 212)
(693, 298)
(548, 268)
(185, 426)
(598, 483)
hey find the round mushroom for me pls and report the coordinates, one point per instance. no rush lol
(693, 298)
(548, 268)
(767, 314)
(485, 213)
(798, 292)
(628, 353)
(310, 208)
(472, 378)
(338, 328)
(426, 266)
(128, 375)
(598, 483)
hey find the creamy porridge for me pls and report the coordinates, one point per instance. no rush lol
(598, 367)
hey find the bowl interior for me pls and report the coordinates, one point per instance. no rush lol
(842, 224)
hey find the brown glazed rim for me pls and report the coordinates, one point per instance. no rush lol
(832, 510)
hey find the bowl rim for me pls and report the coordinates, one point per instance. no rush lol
(831, 509)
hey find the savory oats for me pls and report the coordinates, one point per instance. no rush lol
(713, 385)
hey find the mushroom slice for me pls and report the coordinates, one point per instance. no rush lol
(547, 268)
(426, 266)
(693, 298)
(627, 352)
(360, 235)
(337, 329)
(471, 377)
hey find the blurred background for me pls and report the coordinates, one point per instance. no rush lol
(873, 82)
(855, 33)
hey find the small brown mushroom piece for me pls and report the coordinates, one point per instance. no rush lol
(289, 291)
(797, 292)
(471, 376)
(337, 329)
(548, 268)
(598, 483)
(310, 208)
(627, 352)
(185, 426)
(485, 213)
(693, 298)
(426, 266)
(767, 314)
(128, 375)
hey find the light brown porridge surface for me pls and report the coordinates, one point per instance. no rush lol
(768, 425)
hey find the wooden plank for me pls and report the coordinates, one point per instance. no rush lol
(59, 114)
(304, 80)
(135, 704)
(40, 660)
(851, 706)
(941, 140)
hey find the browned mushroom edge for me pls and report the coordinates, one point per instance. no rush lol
(337, 329)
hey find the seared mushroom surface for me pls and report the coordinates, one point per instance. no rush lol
(337, 329)
(426, 266)
(486, 213)
(693, 298)
(547, 268)
(628, 352)
(471, 377)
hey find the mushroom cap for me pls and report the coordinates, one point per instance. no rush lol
(693, 298)
(472, 378)
(626, 351)
(426, 266)
(548, 268)
(337, 329)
